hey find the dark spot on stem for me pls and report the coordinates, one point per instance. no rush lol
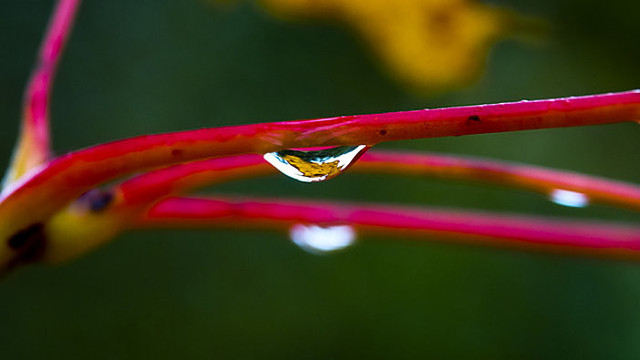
(29, 243)
(473, 118)
(101, 201)
(96, 200)
(383, 132)
(176, 152)
(22, 237)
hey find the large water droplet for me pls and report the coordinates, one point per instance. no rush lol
(317, 239)
(315, 165)
(569, 198)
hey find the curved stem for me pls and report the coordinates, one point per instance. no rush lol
(33, 147)
(481, 229)
(149, 187)
(108, 213)
(65, 178)
(528, 177)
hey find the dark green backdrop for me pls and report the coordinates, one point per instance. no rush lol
(135, 67)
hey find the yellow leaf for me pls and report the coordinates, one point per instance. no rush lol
(429, 44)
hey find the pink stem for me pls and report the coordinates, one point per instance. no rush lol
(483, 229)
(67, 177)
(150, 187)
(528, 177)
(34, 143)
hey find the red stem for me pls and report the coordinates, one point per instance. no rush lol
(150, 187)
(483, 229)
(67, 177)
(528, 177)
(34, 146)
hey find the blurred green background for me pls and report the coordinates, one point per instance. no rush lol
(148, 66)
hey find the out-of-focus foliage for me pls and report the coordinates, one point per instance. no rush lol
(429, 44)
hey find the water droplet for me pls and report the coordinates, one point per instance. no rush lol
(318, 240)
(569, 198)
(315, 165)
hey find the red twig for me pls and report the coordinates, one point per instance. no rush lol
(33, 147)
(527, 177)
(150, 187)
(575, 237)
(66, 177)
(36, 197)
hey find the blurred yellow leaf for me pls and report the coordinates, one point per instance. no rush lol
(429, 44)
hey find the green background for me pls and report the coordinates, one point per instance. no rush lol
(136, 67)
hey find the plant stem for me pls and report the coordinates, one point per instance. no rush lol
(34, 145)
(99, 216)
(521, 176)
(67, 177)
(482, 229)
(179, 179)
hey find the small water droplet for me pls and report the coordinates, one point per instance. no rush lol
(318, 240)
(315, 165)
(569, 198)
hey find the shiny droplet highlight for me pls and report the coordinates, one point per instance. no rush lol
(317, 239)
(315, 165)
(569, 198)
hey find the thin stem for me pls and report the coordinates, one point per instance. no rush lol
(34, 145)
(481, 229)
(527, 177)
(99, 216)
(145, 189)
(149, 187)
(67, 177)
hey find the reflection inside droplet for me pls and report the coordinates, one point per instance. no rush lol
(317, 239)
(316, 165)
(569, 198)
